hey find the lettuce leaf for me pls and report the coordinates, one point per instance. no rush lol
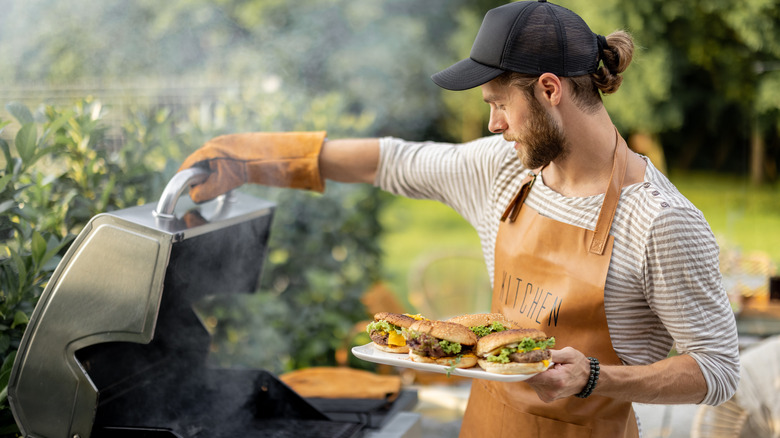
(382, 326)
(484, 330)
(529, 344)
(525, 345)
(451, 348)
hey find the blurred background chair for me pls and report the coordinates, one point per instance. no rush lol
(746, 276)
(754, 411)
(443, 284)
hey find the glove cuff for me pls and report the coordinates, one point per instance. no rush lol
(290, 160)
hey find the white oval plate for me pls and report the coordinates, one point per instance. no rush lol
(368, 353)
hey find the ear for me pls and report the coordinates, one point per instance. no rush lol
(551, 88)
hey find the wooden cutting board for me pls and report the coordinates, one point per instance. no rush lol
(341, 382)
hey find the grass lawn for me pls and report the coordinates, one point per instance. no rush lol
(416, 229)
(743, 218)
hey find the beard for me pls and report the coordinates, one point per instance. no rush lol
(542, 140)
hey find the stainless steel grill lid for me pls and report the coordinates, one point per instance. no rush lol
(107, 333)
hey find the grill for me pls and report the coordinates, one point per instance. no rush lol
(115, 349)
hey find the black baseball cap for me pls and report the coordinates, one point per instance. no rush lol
(531, 37)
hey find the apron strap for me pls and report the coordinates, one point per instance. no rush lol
(608, 207)
(513, 209)
(611, 197)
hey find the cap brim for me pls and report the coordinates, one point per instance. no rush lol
(465, 74)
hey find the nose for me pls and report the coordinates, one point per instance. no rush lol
(496, 124)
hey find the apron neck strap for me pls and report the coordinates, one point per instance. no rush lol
(608, 207)
(513, 209)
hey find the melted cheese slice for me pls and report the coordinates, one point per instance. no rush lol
(395, 340)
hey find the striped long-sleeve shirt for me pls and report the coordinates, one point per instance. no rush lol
(663, 288)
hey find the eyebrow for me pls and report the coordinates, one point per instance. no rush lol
(490, 98)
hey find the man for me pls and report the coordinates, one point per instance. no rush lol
(583, 238)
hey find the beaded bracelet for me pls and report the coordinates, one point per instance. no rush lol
(594, 377)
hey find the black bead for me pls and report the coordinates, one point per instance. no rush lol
(592, 379)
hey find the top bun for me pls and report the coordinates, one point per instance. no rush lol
(448, 331)
(499, 339)
(482, 319)
(395, 319)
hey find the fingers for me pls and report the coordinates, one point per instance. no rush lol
(565, 355)
(567, 377)
(226, 175)
(203, 154)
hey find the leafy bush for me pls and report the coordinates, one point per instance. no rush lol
(62, 167)
(323, 256)
(58, 173)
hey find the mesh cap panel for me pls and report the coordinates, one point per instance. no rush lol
(531, 37)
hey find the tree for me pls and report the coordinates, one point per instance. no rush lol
(704, 80)
(695, 81)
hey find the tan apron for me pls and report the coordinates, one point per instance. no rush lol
(551, 275)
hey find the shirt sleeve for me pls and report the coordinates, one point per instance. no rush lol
(458, 175)
(685, 289)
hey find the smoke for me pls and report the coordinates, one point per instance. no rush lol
(168, 382)
(378, 55)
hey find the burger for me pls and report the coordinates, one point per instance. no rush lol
(516, 351)
(483, 324)
(441, 343)
(386, 331)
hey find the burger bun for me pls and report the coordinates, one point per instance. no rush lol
(448, 331)
(398, 319)
(482, 319)
(466, 360)
(391, 349)
(512, 367)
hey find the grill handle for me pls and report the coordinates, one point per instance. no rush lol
(176, 186)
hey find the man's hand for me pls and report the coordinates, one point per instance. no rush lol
(568, 375)
(286, 159)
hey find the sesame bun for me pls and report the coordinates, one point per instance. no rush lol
(448, 331)
(482, 319)
(466, 360)
(395, 318)
(512, 367)
(391, 349)
(497, 340)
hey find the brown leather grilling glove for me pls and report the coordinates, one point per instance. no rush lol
(288, 159)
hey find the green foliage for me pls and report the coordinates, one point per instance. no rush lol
(704, 76)
(57, 173)
(323, 256)
(374, 53)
